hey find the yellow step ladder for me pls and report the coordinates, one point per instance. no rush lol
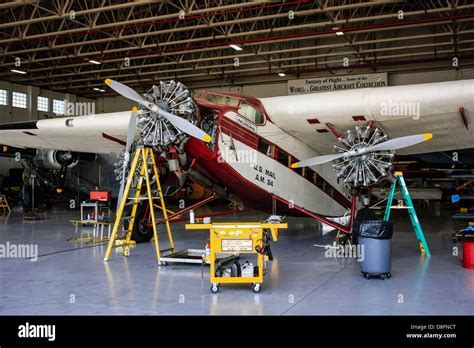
(145, 159)
(4, 204)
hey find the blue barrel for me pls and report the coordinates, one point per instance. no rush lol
(377, 260)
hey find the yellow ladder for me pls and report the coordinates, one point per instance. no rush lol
(144, 157)
(4, 204)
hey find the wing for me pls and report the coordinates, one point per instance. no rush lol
(102, 133)
(399, 110)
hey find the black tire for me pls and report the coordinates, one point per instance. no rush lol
(141, 233)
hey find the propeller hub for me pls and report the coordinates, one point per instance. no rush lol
(172, 97)
(162, 104)
(359, 168)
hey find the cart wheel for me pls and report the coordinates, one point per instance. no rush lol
(215, 288)
(382, 276)
(366, 275)
(256, 287)
(389, 275)
(163, 263)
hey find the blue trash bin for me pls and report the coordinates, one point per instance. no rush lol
(376, 238)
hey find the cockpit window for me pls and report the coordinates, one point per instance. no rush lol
(221, 99)
(245, 109)
(250, 113)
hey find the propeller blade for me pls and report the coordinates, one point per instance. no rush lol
(180, 123)
(126, 91)
(185, 126)
(400, 143)
(394, 144)
(132, 124)
(317, 160)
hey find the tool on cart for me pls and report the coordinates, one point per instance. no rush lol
(408, 204)
(468, 230)
(144, 161)
(237, 239)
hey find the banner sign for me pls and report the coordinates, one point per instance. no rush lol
(336, 83)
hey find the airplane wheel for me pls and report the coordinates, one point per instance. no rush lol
(215, 288)
(141, 233)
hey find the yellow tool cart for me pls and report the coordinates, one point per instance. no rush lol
(239, 238)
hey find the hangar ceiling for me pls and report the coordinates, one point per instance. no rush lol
(72, 46)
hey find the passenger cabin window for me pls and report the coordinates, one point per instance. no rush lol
(283, 157)
(265, 147)
(250, 113)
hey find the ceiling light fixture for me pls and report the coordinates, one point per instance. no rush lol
(94, 62)
(236, 47)
(18, 71)
(338, 31)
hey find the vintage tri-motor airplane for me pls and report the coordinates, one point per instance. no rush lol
(257, 152)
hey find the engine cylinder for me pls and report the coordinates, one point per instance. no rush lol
(173, 97)
(369, 167)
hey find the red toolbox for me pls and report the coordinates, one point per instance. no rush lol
(103, 196)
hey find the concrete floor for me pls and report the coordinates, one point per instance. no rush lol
(301, 280)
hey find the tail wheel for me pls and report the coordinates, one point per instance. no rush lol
(142, 232)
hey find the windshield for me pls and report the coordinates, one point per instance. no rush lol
(221, 99)
(250, 113)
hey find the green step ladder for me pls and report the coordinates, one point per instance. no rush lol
(411, 211)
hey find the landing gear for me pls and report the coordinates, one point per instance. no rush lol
(141, 232)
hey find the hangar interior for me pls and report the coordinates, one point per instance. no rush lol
(61, 59)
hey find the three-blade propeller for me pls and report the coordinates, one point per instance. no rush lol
(180, 123)
(394, 144)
